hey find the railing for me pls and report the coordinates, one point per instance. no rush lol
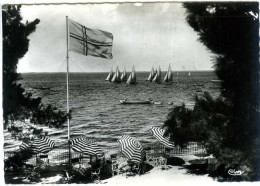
(192, 148)
(60, 156)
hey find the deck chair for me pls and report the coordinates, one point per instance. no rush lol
(43, 161)
(162, 162)
(66, 177)
(76, 161)
(95, 174)
(114, 168)
(150, 155)
(167, 152)
(113, 157)
(133, 170)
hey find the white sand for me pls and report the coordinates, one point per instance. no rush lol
(172, 177)
(156, 176)
(49, 180)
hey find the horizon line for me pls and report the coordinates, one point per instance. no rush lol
(129, 71)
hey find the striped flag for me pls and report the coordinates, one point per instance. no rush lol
(132, 149)
(85, 146)
(91, 42)
(158, 134)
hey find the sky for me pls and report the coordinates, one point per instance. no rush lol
(145, 35)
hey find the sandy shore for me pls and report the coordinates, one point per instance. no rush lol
(172, 177)
(157, 176)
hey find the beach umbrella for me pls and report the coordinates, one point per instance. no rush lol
(86, 146)
(24, 146)
(42, 145)
(131, 148)
(158, 134)
(38, 145)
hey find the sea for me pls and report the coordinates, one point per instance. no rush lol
(96, 109)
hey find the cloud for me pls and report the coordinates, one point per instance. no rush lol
(149, 35)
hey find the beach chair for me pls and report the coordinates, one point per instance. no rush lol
(113, 158)
(66, 178)
(76, 162)
(114, 168)
(167, 152)
(96, 166)
(95, 174)
(134, 168)
(150, 155)
(45, 158)
(162, 162)
(43, 161)
(114, 164)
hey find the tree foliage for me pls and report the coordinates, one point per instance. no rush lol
(17, 103)
(228, 125)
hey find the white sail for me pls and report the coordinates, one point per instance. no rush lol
(124, 76)
(157, 77)
(189, 74)
(129, 79)
(168, 76)
(132, 77)
(110, 75)
(159, 73)
(116, 77)
(151, 75)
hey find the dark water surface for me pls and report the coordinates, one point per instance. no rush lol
(97, 111)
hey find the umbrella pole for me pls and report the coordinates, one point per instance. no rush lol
(67, 78)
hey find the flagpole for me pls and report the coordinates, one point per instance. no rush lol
(67, 77)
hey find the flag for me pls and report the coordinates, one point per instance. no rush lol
(92, 42)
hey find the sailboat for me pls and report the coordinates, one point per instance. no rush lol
(124, 76)
(151, 75)
(132, 77)
(110, 75)
(157, 77)
(168, 76)
(189, 74)
(116, 77)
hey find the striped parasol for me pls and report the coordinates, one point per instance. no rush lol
(158, 133)
(38, 145)
(131, 148)
(24, 146)
(86, 146)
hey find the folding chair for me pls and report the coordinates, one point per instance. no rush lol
(114, 168)
(167, 152)
(150, 155)
(76, 161)
(66, 178)
(163, 163)
(133, 170)
(113, 157)
(43, 161)
(45, 158)
(95, 174)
